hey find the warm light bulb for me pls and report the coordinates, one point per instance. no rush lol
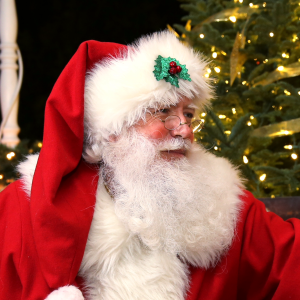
(215, 147)
(280, 68)
(10, 155)
(40, 145)
(244, 82)
(283, 54)
(227, 132)
(299, 93)
(286, 132)
(232, 19)
(249, 123)
(214, 55)
(203, 114)
(206, 75)
(233, 110)
(1, 176)
(222, 116)
(250, 4)
(264, 4)
(251, 117)
(245, 159)
(241, 1)
(201, 36)
(208, 71)
(262, 177)
(226, 81)
(294, 156)
(289, 147)
(271, 34)
(287, 92)
(217, 69)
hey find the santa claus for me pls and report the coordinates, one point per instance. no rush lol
(121, 204)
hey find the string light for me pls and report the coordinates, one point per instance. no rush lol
(299, 93)
(227, 132)
(280, 107)
(245, 159)
(283, 54)
(251, 117)
(241, 1)
(217, 69)
(206, 75)
(214, 55)
(249, 123)
(250, 4)
(203, 114)
(215, 147)
(40, 145)
(232, 19)
(262, 177)
(233, 110)
(223, 52)
(273, 196)
(244, 82)
(271, 34)
(290, 147)
(1, 176)
(226, 81)
(222, 116)
(10, 155)
(201, 36)
(264, 4)
(294, 156)
(249, 41)
(208, 70)
(287, 92)
(280, 68)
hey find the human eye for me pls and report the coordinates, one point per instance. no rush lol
(164, 110)
(189, 115)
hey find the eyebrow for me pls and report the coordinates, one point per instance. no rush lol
(193, 106)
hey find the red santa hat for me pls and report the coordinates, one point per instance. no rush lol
(104, 87)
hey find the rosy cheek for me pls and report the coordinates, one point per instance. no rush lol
(153, 131)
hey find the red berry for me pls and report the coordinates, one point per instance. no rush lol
(173, 64)
(172, 71)
(178, 69)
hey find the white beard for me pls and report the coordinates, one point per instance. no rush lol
(168, 204)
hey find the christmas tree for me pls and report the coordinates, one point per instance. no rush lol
(254, 49)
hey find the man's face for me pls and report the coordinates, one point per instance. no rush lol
(155, 130)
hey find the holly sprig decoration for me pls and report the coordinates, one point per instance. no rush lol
(170, 70)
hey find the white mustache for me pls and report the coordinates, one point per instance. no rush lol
(174, 144)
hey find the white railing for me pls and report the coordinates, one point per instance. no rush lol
(10, 81)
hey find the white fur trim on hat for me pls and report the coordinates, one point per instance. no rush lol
(119, 90)
(26, 169)
(68, 292)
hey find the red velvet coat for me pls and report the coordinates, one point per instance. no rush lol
(41, 252)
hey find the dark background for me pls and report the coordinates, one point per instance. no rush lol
(51, 31)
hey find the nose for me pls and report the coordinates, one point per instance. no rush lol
(183, 130)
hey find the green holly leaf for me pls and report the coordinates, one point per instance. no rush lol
(162, 67)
